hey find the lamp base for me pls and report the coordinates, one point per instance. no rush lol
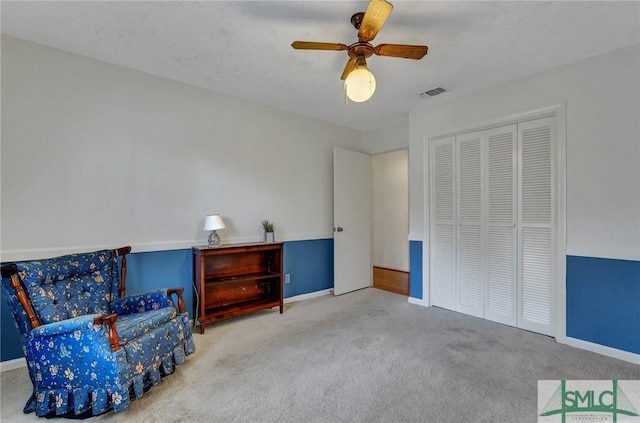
(214, 240)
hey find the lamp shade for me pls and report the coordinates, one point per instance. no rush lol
(360, 84)
(213, 222)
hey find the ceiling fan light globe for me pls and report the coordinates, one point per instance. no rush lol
(360, 85)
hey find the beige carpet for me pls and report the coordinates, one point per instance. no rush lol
(368, 356)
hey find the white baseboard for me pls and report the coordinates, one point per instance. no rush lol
(16, 363)
(418, 301)
(572, 342)
(604, 350)
(308, 296)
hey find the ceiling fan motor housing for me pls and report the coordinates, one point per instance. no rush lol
(360, 49)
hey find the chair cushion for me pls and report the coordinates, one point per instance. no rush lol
(71, 285)
(132, 326)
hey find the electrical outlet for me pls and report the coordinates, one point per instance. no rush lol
(287, 278)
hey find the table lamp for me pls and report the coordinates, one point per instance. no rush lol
(212, 223)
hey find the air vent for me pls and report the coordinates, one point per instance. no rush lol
(432, 92)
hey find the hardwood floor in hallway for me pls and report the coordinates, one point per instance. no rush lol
(391, 280)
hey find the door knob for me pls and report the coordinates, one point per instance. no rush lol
(338, 229)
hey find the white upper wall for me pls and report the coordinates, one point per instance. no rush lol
(388, 138)
(95, 155)
(99, 155)
(602, 97)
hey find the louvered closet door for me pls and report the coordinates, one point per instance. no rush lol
(501, 277)
(443, 225)
(536, 225)
(469, 251)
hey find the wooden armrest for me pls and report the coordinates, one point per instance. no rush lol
(122, 252)
(110, 321)
(178, 292)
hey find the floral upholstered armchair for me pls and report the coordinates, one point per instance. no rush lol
(89, 348)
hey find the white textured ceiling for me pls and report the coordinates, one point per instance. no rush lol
(244, 49)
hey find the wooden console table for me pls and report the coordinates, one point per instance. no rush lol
(236, 279)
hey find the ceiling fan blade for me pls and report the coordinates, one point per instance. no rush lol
(376, 15)
(310, 45)
(351, 64)
(401, 50)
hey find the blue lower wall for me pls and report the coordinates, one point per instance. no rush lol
(9, 342)
(603, 302)
(161, 269)
(603, 295)
(309, 264)
(415, 269)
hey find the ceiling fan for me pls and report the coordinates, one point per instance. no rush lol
(359, 81)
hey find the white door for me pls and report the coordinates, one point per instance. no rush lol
(443, 223)
(536, 225)
(501, 215)
(492, 224)
(351, 220)
(470, 248)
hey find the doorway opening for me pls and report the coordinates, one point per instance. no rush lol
(390, 222)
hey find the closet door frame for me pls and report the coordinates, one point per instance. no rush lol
(558, 111)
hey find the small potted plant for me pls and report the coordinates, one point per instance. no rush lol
(267, 228)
